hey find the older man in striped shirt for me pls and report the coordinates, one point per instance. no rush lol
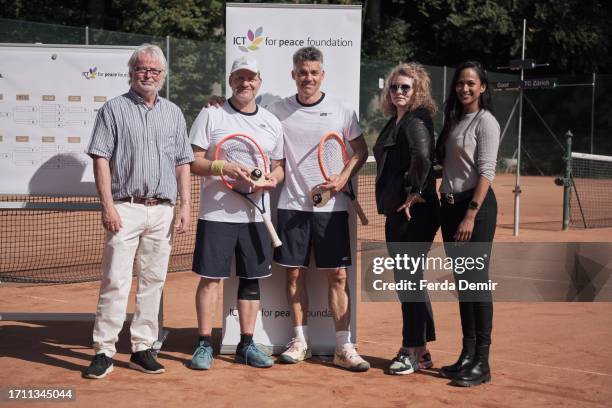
(141, 158)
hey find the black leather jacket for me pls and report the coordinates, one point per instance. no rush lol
(404, 156)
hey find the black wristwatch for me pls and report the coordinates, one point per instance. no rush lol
(474, 205)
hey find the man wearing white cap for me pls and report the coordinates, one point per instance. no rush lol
(228, 225)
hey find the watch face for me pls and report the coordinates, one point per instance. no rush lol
(473, 205)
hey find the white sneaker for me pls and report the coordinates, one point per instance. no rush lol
(297, 351)
(349, 358)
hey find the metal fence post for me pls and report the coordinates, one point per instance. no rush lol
(168, 68)
(443, 90)
(567, 180)
(593, 112)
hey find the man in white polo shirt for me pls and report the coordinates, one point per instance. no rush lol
(229, 226)
(306, 117)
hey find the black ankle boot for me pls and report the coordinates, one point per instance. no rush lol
(466, 358)
(476, 373)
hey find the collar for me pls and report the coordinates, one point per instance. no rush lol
(138, 99)
(241, 112)
(309, 105)
(420, 113)
(392, 138)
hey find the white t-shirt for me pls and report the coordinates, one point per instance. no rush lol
(304, 126)
(217, 202)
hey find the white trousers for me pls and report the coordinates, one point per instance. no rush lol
(147, 230)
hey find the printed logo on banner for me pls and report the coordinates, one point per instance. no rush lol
(251, 42)
(254, 40)
(91, 74)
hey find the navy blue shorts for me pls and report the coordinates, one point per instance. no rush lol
(218, 242)
(326, 232)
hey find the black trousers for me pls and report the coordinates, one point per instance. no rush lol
(417, 316)
(476, 316)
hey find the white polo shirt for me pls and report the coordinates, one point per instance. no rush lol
(217, 202)
(303, 127)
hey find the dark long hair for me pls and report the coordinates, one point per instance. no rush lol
(453, 110)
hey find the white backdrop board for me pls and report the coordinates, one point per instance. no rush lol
(49, 97)
(271, 33)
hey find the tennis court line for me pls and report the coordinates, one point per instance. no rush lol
(574, 370)
(43, 298)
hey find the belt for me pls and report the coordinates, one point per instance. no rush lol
(145, 201)
(454, 198)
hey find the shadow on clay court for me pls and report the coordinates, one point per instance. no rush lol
(49, 343)
(536, 225)
(54, 343)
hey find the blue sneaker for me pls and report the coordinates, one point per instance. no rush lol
(253, 356)
(202, 357)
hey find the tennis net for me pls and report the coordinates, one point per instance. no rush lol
(591, 203)
(51, 244)
(60, 239)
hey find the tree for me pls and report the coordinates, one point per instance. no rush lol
(197, 46)
(573, 36)
(191, 19)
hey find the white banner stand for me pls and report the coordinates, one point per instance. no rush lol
(271, 33)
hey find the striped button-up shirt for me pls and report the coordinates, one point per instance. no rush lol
(143, 145)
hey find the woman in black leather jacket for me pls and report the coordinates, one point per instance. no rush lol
(406, 195)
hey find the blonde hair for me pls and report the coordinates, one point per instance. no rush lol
(421, 96)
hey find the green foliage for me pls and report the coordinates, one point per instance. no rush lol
(371, 118)
(66, 12)
(391, 43)
(194, 19)
(196, 67)
(573, 36)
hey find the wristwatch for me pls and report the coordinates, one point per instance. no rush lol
(474, 205)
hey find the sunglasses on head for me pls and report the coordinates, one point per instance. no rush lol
(405, 88)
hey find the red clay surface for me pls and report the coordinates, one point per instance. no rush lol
(543, 354)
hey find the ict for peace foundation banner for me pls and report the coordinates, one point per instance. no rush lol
(271, 33)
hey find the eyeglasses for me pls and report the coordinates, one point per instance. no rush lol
(151, 71)
(405, 88)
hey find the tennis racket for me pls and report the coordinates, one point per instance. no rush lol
(333, 156)
(242, 149)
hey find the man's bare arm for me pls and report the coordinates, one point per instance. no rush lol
(183, 179)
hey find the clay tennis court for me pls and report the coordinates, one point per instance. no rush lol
(543, 354)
